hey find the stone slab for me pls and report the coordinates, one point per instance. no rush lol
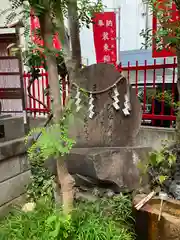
(14, 187)
(117, 165)
(13, 128)
(153, 136)
(12, 148)
(5, 116)
(108, 127)
(13, 166)
(17, 202)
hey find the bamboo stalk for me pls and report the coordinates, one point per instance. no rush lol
(145, 200)
(160, 212)
(163, 196)
(139, 205)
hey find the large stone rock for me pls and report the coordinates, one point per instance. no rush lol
(11, 128)
(109, 127)
(111, 165)
(103, 150)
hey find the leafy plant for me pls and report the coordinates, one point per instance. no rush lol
(89, 221)
(117, 210)
(59, 226)
(166, 97)
(54, 140)
(41, 184)
(160, 167)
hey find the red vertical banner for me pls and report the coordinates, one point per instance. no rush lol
(34, 25)
(104, 29)
(170, 9)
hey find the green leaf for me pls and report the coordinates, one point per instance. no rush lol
(153, 158)
(159, 158)
(162, 179)
(51, 219)
(171, 160)
(55, 233)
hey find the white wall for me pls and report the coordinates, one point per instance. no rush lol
(132, 22)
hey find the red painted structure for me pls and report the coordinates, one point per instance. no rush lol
(134, 73)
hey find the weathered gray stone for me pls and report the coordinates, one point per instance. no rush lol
(13, 166)
(17, 202)
(12, 148)
(14, 187)
(13, 128)
(108, 127)
(85, 196)
(147, 136)
(5, 116)
(101, 152)
(117, 165)
(175, 189)
(153, 136)
(84, 181)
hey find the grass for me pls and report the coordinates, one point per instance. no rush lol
(103, 220)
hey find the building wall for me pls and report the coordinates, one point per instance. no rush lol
(3, 6)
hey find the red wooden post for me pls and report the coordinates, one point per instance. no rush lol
(43, 88)
(163, 89)
(48, 96)
(154, 88)
(30, 100)
(34, 95)
(39, 98)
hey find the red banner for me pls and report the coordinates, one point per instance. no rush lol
(104, 29)
(34, 26)
(165, 51)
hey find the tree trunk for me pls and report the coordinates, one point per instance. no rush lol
(65, 179)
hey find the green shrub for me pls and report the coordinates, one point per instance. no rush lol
(105, 219)
(160, 166)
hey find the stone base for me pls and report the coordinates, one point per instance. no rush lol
(11, 128)
(6, 208)
(15, 172)
(147, 224)
(116, 166)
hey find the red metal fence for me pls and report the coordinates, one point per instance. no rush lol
(38, 91)
(155, 86)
